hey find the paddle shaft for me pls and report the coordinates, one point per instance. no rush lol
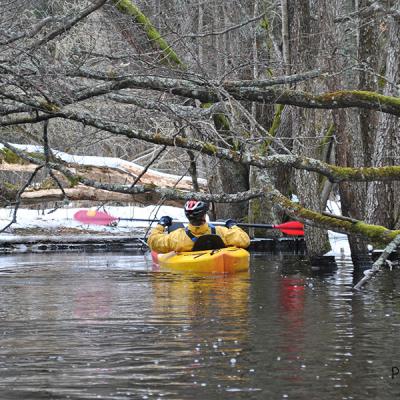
(102, 218)
(222, 223)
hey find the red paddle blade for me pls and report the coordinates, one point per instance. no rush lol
(94, 217)
(291, 228)
(293, 232)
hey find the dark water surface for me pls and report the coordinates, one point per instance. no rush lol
(105, 326)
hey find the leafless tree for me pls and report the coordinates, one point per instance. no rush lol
(262, 105)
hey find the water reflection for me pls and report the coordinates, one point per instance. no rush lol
(195, 296)
(214, 312)
(291, 301)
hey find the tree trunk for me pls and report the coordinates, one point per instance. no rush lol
(304, 47)
(383, 203)
(350, 145)
(229, 178)
(368, 55)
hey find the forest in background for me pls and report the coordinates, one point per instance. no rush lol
(266, 100)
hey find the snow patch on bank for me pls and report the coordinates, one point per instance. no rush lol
(64, 218)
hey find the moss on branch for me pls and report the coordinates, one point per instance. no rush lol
(10, 157)
(363, 95)
(365, 173)
(129, 8)
(379, 235)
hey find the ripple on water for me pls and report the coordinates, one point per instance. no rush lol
(105, 326)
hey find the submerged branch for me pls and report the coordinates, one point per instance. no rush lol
(376, 267)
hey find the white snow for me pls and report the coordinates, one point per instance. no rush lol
(64, 218)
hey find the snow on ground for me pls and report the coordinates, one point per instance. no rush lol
(64, 218)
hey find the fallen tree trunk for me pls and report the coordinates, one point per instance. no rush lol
(82, 192)
(124, 173)
(109, 170)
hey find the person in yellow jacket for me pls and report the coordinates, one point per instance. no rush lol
(183, 239)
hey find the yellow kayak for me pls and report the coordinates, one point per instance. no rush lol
(221, 261)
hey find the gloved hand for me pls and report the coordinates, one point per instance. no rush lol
(165, 221)
(230, 222)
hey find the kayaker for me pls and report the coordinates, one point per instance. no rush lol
(183, 239)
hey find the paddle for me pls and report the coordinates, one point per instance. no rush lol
(294, 228)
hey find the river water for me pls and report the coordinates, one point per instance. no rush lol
(105, 326)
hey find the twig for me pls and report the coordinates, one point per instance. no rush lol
(18, 197)
(69, 24)
(229, 29)
(151, 162)
(376, 267)
(193, 170)
(48, 153)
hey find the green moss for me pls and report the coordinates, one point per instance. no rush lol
(47, 184)
(274, 128)
(127, 7)
(347, 173)
(264, 23)
(362, 95)
(268, 72)
(10, 187)
(221, 122)
(327, 137)
(210, 148)
(379, 235)
(256, 214)
(323, 146)
(74, 180)
(381, 82)
(10, 157)
(49, 106)
(38, 156)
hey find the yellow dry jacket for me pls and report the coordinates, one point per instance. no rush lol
(179, 240)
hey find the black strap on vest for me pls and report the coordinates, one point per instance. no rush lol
(208, 242)
(194, 238)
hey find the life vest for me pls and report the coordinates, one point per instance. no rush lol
(194, 238)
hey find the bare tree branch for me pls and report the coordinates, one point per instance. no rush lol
(376, 267)
(151, 162)
(204, 93)
(230, 29)
(68, 23)
(35, 29)
(18, 198)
